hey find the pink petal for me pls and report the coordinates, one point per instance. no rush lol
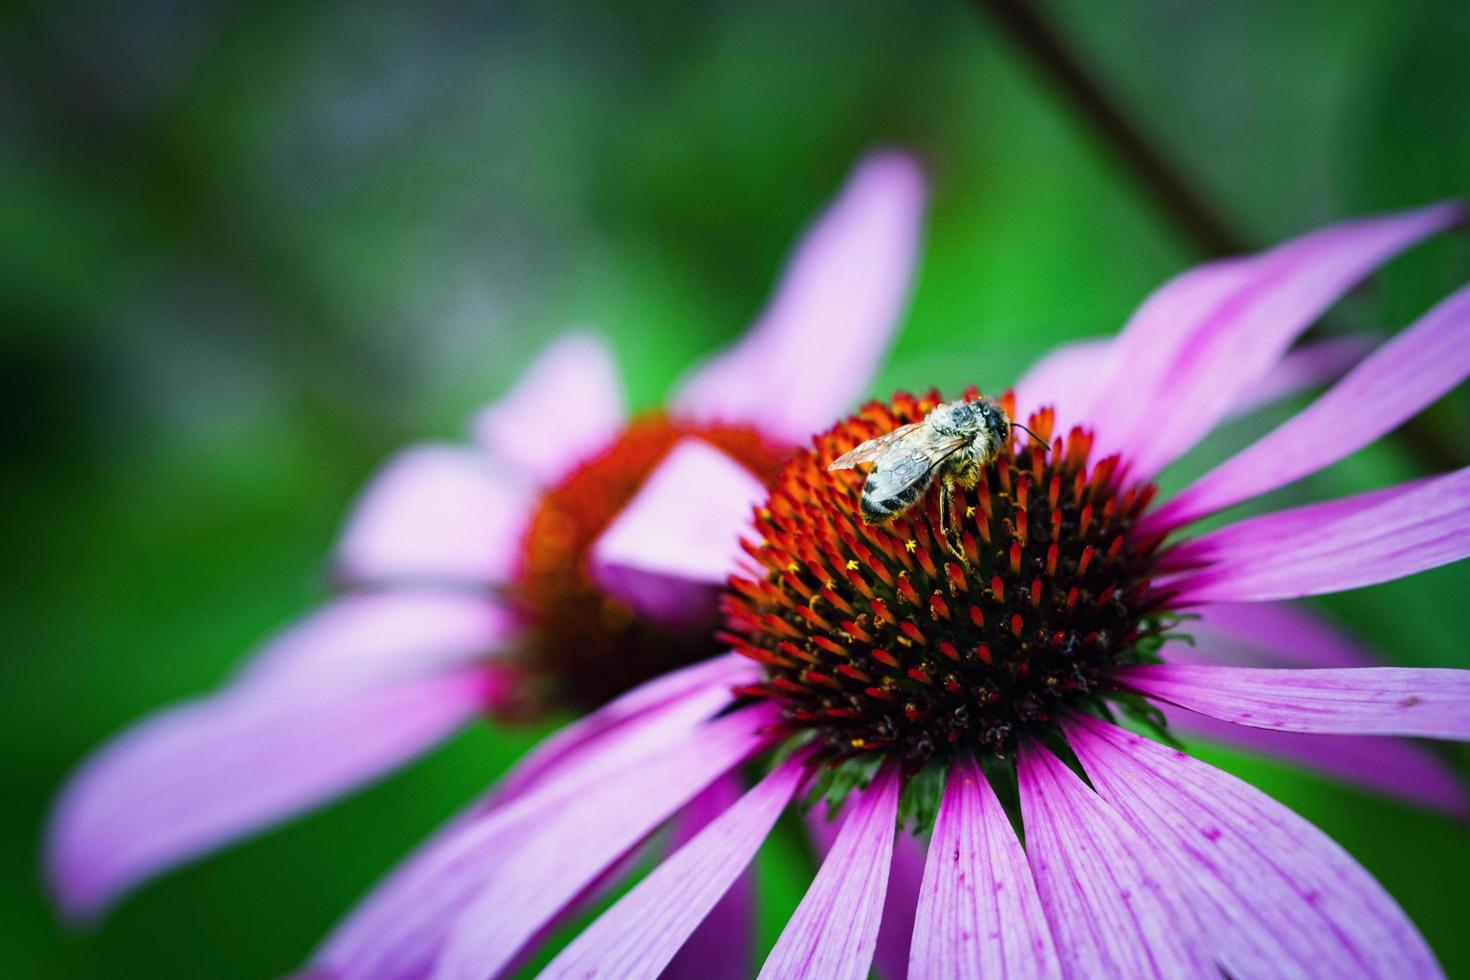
(1072, 376)
(1353, 542)
(896, 932)
(1269, 634)
(833, 932)
(566, 407)
(979, 913)
(1303, 368)
(398, 931)
(1394, 384)
(1427, 702)
(1112, 910)
(1154, 337)
(547, 869)
(677, 542)
(1069, 379)
(1280, 897)
(206, 773)
(641, 934)
(1394, 767)
(1191, 350)
(373, 637)
(816, 346)
(720, 948)
(436, 512)
(585, 741)
(1257, 533)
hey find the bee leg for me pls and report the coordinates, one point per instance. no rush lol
(946, 504)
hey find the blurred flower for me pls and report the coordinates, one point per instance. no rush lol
(472, 572)
(891, 677)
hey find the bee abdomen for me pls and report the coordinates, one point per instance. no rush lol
(878, 509)
(875, 511)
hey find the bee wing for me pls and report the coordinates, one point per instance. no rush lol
(872, 449)
(909, 465)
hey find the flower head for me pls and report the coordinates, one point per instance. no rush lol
(879, 640)
(878, 668)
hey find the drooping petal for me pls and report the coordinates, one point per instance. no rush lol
(896, 932)
(1068, 379)
(372, 637)
(1395, 383)
(814, 349)
(586, 739)
(1304, 367)
(979, 914)
(549, 867)
(720, 948)
(678, 540)
(1192, 348)
(437, 513)
(833, 932)
(1428, 702)
(1353, 542)
(1280, 897)
(1392, 766)
(567, 406)
(198, 776)
(1112, 911)
(641, 934)
(1269, 634)
(1154, 337)
(398, 931)
(1072, 376)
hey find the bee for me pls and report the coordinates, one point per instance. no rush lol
(953, 443)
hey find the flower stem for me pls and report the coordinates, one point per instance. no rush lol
(1026, 27)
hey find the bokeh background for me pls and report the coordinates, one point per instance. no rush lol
(249, 249)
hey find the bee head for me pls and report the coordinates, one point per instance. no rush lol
(992, 418)
(982, 417)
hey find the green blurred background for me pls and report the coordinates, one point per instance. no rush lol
(249, 249)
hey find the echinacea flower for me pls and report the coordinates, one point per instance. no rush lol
(473, 573)
(905, 684)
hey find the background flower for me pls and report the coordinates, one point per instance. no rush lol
(251, 251)
(466, 571)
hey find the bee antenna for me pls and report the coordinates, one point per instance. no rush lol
(1018, 425)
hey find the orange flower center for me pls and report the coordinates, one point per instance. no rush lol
(879, 638)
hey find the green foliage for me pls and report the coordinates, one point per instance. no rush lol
(919, 804)
(832, 784)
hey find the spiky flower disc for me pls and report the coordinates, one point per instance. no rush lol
(879, 639)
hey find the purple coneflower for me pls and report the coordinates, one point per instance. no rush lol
(905, 685)
(473, 572)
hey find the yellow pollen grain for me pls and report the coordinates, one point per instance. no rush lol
(852, 565)
(910, 545)
(969, 513)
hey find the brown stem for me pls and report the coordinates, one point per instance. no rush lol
(1027, 28)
